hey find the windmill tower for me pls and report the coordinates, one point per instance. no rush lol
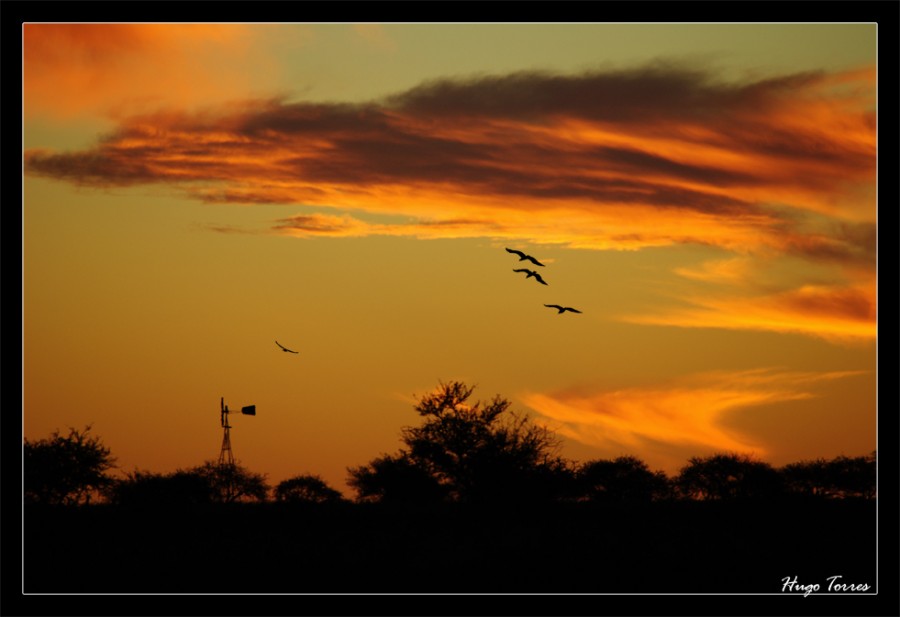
(226, 455)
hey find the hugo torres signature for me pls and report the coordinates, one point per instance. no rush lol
(834, 585)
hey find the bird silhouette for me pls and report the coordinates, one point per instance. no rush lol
(531, 273)
(283, 348)
(523, 257)
(562, 309)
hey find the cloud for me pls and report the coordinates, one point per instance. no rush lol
(111, 69)
(345, 226)
(842, 242)
(734, 270)
(329, 225)
(844, 314)
(653, 156)
(650, 139)
(689, 413)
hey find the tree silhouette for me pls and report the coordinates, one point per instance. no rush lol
(66, 470)
(625, 478)
(148, 489)
(728, 476)
(306, 489)
(477, 452)
(231, 483)
(395, 479)
(838, 478)
(807, 478)
(204, 484)
(853, 477)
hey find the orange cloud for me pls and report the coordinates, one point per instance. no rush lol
(733, 270)
(672, 142)
(330, 225)
(835, 313)
(691, 412)
(113, 69)
(647, 157)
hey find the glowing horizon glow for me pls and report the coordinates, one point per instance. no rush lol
(193, 191)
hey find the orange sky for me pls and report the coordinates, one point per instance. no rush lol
(201, 190)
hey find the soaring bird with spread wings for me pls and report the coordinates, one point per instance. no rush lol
(531, 273)
(283, 348)
(562, 309)
(523, 257)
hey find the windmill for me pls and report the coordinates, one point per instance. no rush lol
(226, 456)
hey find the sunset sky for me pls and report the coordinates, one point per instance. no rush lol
(703, 193)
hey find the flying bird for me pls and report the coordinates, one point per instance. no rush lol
(523, 257)
(283, 348)
(562, 309)
(530, 274)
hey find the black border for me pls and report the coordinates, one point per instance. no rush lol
(885, 13)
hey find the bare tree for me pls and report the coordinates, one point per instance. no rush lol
(66, 470)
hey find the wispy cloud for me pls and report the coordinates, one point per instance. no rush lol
(116, 69)
(330, 225)
(836, 313)
(689, 413)
(345, 226)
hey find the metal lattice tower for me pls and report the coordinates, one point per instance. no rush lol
(226, 455)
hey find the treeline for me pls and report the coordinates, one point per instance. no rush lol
(463, 452)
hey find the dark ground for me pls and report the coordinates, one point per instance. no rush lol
(686, 547)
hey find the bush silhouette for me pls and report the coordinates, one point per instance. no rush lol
(462, 452)
(840, 477)
(147, 489)
(624, 479)
(306, 489)
(728, 476)
(204, 484)
(66, 470)
(395, 479)
(231, 483)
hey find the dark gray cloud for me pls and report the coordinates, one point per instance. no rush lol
(659, 92)
(495, 136)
